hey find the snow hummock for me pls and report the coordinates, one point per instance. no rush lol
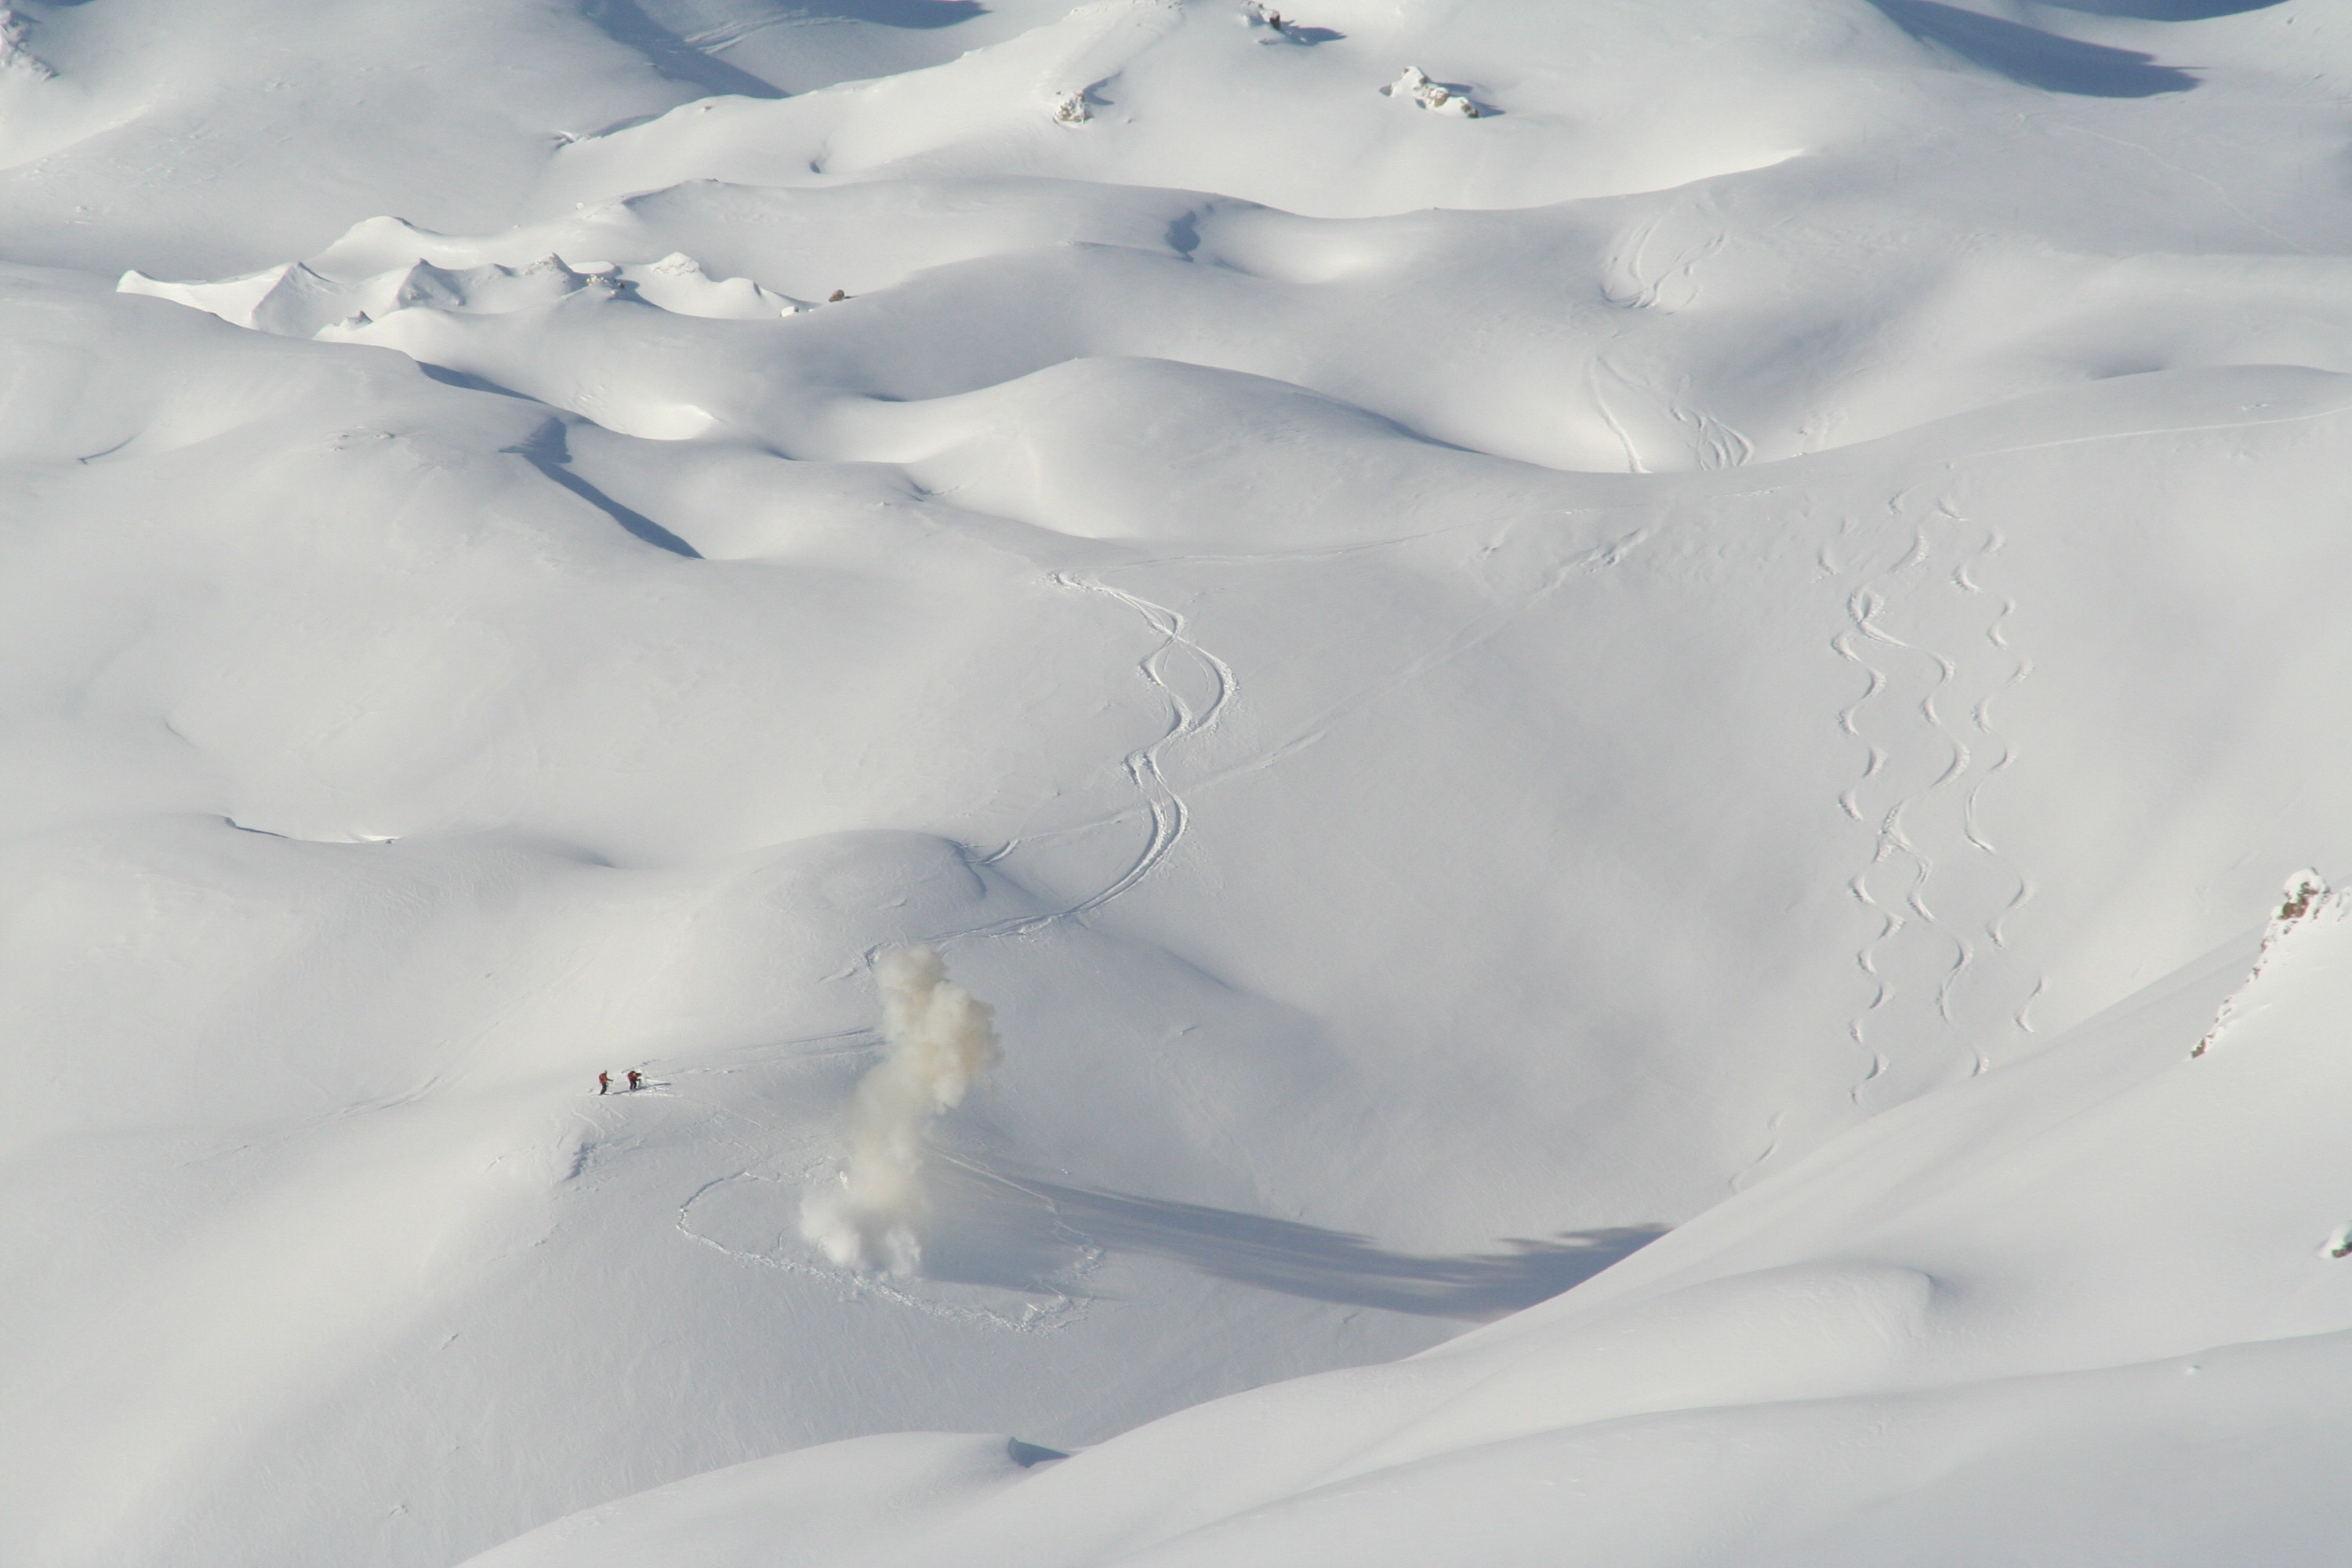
(300, 299)
(678, 284)
(235, 300)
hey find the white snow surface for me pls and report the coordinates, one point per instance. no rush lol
(1736, 641)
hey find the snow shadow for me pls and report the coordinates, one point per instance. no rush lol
(625, 22)
(1030, 1235)
(550, 451)
(2035, 59)
(2164, 10)
(918, 14)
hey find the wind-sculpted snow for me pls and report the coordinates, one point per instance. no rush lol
(1466, 689)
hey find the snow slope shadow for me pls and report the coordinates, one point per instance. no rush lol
(625, 23)
(1028, 1234)
(2033, 57)
(2164, 10)
(549, 450)
(922, 14)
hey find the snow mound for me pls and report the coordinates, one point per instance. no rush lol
(489, 290)
(678, 284)
(234, 300)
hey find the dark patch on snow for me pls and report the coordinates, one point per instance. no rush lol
(1028, 1454)
(549, 450)
(1026, 1235)
(470, 381)
(2032, 58)
(916, 13)
(625, 22)
(2163, 10)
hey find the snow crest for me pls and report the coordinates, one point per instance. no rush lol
(371, 274)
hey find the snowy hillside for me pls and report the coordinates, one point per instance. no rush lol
(1476, 632)
(2068, 1312)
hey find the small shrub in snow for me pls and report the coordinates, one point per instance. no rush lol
(2305, 899)
(15, 55)
(1415, 85)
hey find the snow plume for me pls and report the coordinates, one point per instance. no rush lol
(936, 1042)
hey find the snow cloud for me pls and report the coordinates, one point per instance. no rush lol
(937, 1043)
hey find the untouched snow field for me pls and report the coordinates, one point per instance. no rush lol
(1597, 734)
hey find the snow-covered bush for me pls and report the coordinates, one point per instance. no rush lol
(15, 54)
(1415, 84)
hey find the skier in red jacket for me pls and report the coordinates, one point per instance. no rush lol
(636, 1080)
(603, 1083)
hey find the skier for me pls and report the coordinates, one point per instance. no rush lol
(636, 1080)
(603, 1083)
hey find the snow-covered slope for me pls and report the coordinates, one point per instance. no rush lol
(2094, 1307)
(1466, 686)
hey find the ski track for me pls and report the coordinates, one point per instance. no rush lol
(1168, 814)
(1035, 1318)
(1476, 631)
(1633, 291)
(1747, 1175)
(1712, 444)
(1592, 370)
(792, 1159)
(1910, 706)
(1672, 289)
(1157, 800)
